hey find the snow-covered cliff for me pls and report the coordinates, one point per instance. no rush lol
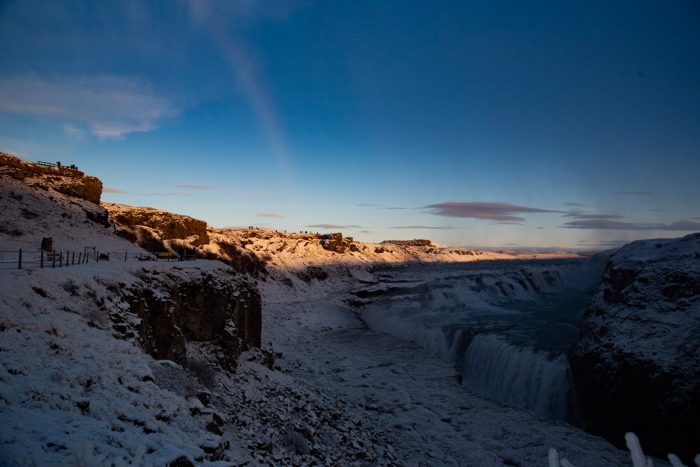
(637, 365)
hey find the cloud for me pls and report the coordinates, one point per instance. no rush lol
(374, 205)
(247, 10)
(195, 187)
(333, 226)
(71, 131)
(576, 205)
(169, 193)
(221, 20)
(582, 215)
(270, 214)
(421, 227)
(109, 106)
(115, 191)
(636, 193)
(213, 188)
(475, 210)
(606, 224)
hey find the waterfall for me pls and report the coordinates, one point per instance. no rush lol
(518, 377)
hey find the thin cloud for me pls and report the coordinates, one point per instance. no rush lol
(169, 193)
(115, 191)
(333, 226)
(274, 215)
(606, 224)
(431, 227)
(584, 216)
(213, 188)
(575, 205)
(636, 193)
(503, 212)
(109, 106)
(195, 187)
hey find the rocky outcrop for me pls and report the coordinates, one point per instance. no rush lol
(335, 242)
(637, 364)
(66, 180)
(175, 308)
(147, 226)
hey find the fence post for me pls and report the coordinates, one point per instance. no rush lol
(97, 256)
(80, 256)
(53, 257)
(19, 265)
(125, 256)
(60, 260)
(73, 258)
(42, 259)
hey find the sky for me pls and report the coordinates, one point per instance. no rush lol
(472, 123)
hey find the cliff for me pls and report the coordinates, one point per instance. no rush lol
(66, 180)
(175, 306)
(637, 364)
(148, 226)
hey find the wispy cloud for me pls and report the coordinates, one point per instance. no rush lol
(575, 205)
(503, 212)
(274, 215)
(195, 187)
(583, 215)
(636, 193)
(430, 227)
(606, 224)
(109, 106)
(239, 191)
(333, 226)
(167, 193)
(221, 19)
(380, 206)
(115, 191)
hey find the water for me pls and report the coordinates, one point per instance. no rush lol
(506, 326)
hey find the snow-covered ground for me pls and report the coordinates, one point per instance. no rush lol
(411, 398)
(324, 389)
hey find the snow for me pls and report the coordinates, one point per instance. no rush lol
(324, 389)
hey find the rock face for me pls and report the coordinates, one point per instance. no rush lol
(215, 308)
(637, 364)
(335, 242)
(148, 226)
(69, 181)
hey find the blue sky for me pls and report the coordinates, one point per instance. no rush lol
(482, 123)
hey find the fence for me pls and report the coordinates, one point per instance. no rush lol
(19, 259)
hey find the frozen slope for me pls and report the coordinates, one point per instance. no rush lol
(407, 396)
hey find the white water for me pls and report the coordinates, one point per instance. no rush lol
(522, 319)
(518, 377)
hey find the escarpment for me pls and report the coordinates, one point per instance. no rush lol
(637, 364)
(146, 226)
(66, 180)
(175, 309)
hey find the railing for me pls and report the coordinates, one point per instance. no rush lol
(19, 259)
